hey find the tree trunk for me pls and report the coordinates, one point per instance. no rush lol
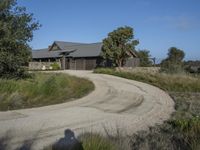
(119, 64)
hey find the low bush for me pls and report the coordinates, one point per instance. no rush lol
(190, 128)
(55, 66)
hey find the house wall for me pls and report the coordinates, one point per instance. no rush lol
(91, 63)
(132, 62)
(82, 63)
(87, 63)
(72, 64)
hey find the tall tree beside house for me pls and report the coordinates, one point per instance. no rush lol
(117, 46)
(144, 56)
(174, 62)
(16, 30)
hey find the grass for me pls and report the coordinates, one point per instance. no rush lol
(167, 82)
(41, 90)
(92, 141)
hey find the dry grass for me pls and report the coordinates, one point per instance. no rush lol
(167, 82)
(91, 141)
(41, 90)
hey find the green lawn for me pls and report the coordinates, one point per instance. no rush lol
(41, 90)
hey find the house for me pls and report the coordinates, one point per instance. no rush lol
(70, 55)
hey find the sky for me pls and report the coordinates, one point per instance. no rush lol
(158, 24)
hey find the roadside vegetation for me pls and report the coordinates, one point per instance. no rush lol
(167, 82)
(41, 89)
(91, 141)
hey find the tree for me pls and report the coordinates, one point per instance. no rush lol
(16, 30)
(117, 46)
(174, 62)
(144, 56)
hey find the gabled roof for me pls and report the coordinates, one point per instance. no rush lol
(132, 53)
(86, 50)
(73, 50)
(65, 45)
(44, 53)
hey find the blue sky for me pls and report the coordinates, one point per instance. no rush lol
(158, 24)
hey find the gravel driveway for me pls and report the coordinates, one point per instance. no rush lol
(116, 103)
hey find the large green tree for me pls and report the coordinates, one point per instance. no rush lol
(174, 62)
(117, 46)
(144, 56)
(16, 30)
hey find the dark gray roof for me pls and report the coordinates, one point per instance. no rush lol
(66, 45)
(87, 50)
(44, 53)
(74, 49)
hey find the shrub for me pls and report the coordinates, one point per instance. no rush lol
(55, 66)
(144, 56)
(104, 70)
(174, 62)
(170, 67)
(189, 130)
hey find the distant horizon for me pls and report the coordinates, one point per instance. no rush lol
(157, 24)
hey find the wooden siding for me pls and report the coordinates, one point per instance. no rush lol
(82, 63)
(90, 64)
(132, 62)
(72, 64)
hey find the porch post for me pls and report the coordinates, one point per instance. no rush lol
(63, 62)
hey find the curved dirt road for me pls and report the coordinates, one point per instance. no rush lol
(116, 103)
